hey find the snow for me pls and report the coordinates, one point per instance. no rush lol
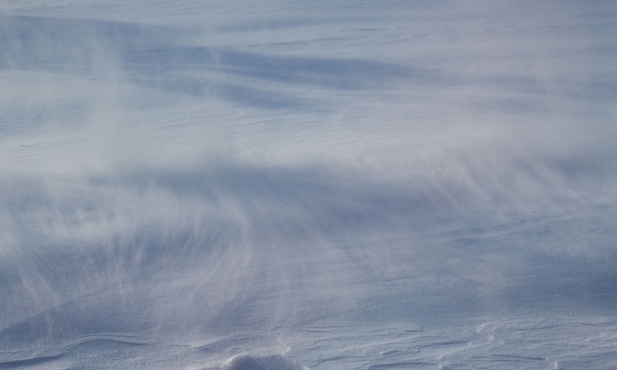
(322, 185)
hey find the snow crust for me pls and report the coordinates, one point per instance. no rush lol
(308, 185)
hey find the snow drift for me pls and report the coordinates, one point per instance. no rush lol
(291, 186)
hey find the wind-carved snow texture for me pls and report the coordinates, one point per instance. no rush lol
(293, 185)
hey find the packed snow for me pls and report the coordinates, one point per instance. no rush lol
(308, 184)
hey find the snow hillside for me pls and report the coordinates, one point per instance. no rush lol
(308, 185)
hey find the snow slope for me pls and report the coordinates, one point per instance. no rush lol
(323, 185)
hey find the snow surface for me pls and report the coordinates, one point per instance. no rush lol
(308, 184)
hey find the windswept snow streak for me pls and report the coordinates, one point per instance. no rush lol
(294, 184)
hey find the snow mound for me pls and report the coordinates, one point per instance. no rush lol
(275, 362)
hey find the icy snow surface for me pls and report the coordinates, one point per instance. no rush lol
(308, 184)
